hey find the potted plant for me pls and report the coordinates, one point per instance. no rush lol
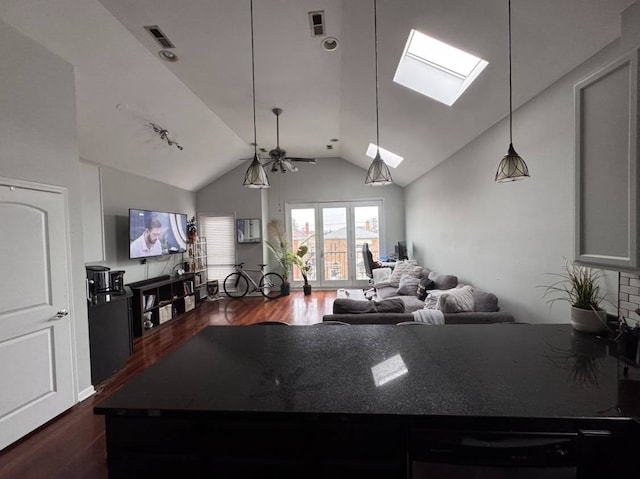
(192, 230)
(303, 262)
(578, 285)
(279, 246)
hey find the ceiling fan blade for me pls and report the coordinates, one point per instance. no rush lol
(306, 160)
(287, 164)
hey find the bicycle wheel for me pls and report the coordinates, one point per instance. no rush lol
(236, 285)
(270, 285)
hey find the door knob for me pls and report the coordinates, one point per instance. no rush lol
(61, 314)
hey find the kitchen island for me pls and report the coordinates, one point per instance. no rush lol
(376, 401)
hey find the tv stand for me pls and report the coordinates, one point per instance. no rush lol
(159, 300)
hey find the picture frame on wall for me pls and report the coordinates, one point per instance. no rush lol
(248, 230)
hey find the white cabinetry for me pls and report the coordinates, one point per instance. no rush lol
(606, 187)
(92, 220)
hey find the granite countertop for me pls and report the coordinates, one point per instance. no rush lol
(500, 370)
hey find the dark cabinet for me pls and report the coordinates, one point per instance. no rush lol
(162, 299)
(110, 334)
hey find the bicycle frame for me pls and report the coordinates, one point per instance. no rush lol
(245, 273)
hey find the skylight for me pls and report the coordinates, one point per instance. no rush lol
(390, 158)
(435, 69)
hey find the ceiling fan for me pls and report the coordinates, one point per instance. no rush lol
(278, 158)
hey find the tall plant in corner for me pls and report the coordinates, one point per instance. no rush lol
(279, 246)
(579, 286)
(303, 262)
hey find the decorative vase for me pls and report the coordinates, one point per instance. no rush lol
(588, 320)
(285, 289)
(307, 289)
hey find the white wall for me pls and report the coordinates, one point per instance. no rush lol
(226, 195)
(121, 191)
(39, 144)
(330, 179)
(506, 237)
(333, 179)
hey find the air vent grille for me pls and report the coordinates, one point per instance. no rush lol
(159, 36)
(317, 23)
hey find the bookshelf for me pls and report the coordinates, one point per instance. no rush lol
(166, 298)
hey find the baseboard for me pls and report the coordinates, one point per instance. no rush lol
(86, 393)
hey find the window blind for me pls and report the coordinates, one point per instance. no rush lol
(221, 245)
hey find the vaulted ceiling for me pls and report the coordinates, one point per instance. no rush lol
(204, 99)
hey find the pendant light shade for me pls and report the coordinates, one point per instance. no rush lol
(378, 173)
(512, 167)
(255, 177)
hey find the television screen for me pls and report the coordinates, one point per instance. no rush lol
(401, 250)
(154, 233)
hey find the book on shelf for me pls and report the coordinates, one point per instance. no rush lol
(149, 301)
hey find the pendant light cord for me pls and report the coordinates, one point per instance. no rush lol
(375, 34)
(253, 83)
(510, 86)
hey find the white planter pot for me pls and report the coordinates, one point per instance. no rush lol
(588, 321)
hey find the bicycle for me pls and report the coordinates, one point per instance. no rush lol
(236, 284)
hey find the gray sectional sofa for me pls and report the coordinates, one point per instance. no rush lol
(390, 307)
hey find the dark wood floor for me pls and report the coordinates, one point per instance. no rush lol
(73, 444)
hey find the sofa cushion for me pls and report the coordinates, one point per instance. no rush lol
(408, 285)
(394, 305)
(443, 281)
(401, 268)
(353, 306)
(385, 292)
(358, 306)
(456, 300)
(485, 302)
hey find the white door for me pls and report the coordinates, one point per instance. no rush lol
(334, 233)
(36, 372)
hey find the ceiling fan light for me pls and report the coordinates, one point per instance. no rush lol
(256, 177)
(378, 173)
(512, 167)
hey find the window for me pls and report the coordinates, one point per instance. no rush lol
(389, 157)
(221, 244)
(435, 69)
(335, 232)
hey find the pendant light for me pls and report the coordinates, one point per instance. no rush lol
(378, 173)
(512, 167)
(255, 177)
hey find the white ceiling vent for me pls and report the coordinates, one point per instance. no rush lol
(159, 36)
(317, 23)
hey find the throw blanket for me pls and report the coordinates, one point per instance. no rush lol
(429, 316)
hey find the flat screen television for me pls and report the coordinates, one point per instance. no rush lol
(156, 233)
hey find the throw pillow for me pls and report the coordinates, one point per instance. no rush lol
(423, 288)
(381, 277)
(352, 306)
(401, 268)
(443, 281)
(408, 285)
(484, 301)
(431, 301)
(456, 300)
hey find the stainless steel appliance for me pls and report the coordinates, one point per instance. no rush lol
(98, 280)
(116, 281)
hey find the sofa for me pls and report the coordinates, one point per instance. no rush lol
(407, 289)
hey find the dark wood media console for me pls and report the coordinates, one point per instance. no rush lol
(164, 298)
